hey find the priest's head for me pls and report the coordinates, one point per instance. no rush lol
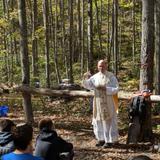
(102, 65)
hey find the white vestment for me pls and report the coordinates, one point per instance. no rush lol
(104, 113)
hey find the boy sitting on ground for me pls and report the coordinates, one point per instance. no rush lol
(6, 138)
(22, 137)
(49, 145)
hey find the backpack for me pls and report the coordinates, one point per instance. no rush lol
(137, 107)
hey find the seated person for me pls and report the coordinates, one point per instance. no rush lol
(6, 138)
(49, 145)
(140, 157)
(22, 137)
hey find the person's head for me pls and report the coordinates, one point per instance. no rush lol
(46, 124)
(6, 125)
(140, 157)
(102, 66)
(22, 136)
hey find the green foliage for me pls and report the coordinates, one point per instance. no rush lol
(39, 33)
(77, 72)
(3, 23)
(9, 28)
(126, 5)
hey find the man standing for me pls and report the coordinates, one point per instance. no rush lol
(105, 85)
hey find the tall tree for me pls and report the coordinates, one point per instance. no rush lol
(82, 38)
(98, 26)
(133, 30)
(64, 52)
(79, 27)
(90, 36)
(46, 27)
(115, 35)
(70, 7)
(108, 55)
(5, 41)
(34, 39)
(6, 9)
(55, 47)
(147, 46)
(25, 60)
(157, 47)
(147, 56)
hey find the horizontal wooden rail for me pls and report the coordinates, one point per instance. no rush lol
(75, 93)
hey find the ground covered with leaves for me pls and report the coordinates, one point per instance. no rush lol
(72, 120)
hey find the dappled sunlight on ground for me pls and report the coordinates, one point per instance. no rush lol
(73, 122)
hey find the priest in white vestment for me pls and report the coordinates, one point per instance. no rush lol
(104, 121)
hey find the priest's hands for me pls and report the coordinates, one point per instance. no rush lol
(101, 87)
(87, 75)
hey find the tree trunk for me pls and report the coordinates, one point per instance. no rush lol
(82, 38)
(70, 7)
(90, 37)
(133, 31)
(79, 28)
(55, 47)
(112, 38)
(108, 55)
(147, 46)
(64, 52)
(5, 43)
(46, 27)
(157, 47)
(98, 27)
(115, 35)
(8, 46)
(147, 55)
(34, 41)
(25, 60)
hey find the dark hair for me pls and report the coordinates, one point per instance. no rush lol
(6, 125)
(140, 157)
(45, 123)
(22, 136)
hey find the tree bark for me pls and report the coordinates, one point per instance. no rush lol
(79, 29)
(147, 46)
(90, 37)
(75, 93)
(147, 55)
(46, 27)
(157, 47)
(25, 60)
(55, 47)
(115, 35)
(64, 51)
(70, 7)
(34, 40)
(98, 26)
(108, 55)
(133, 31)
(82, 38)
(5, 43)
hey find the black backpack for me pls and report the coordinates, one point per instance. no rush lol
(137, 107)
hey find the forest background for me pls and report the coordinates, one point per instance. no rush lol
(47, 41)
(67, 38)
